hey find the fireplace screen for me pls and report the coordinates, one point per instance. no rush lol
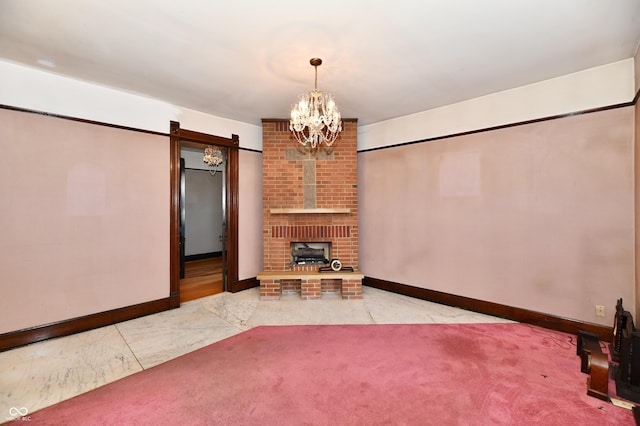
(310, 253)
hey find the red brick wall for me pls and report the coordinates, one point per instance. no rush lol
(283, 186)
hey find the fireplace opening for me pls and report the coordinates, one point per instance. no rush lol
(310, 253)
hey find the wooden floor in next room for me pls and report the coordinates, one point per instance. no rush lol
(201, 278)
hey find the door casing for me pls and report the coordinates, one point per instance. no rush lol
(181, 137)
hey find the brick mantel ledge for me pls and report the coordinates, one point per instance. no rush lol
(290, 275)
(309, 211)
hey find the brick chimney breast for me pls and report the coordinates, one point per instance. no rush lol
(308, 196)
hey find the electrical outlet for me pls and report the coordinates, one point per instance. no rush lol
(600, 311)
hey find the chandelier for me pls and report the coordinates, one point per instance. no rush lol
(213, 157)
(315, 119)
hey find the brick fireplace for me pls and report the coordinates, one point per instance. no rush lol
(309, 197)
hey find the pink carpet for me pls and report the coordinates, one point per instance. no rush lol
(438, 374)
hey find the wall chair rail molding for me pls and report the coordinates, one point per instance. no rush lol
(506, 126)
(81, 120)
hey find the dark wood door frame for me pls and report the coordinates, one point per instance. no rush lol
(184, 137)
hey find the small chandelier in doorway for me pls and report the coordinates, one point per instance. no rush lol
(213, 157)
(315, 119)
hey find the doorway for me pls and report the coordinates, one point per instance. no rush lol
(202, 206)
(228, 260)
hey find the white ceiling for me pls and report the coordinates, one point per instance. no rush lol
(246, 60)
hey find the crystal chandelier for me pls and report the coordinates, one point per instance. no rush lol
(315, 119)
(213, 157)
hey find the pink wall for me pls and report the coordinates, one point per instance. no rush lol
(636, 313)
(250, 214)
(539, 216)
(86, 219)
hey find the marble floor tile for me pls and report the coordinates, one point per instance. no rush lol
(44, 373)
(160, 337)
(391, 308)
(234, 308)
(291, 310)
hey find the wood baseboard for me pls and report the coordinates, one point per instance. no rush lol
(27, 336)
(237, 286)
(18, 338)
(202, 256)
(552, 322)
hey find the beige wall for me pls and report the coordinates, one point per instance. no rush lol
(86, 219)
(538, 216)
